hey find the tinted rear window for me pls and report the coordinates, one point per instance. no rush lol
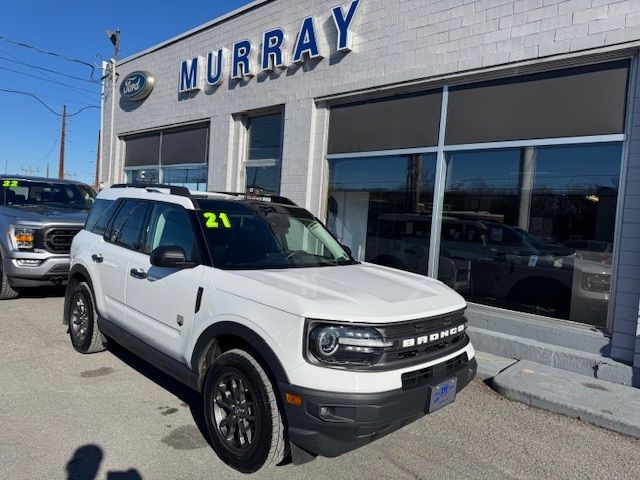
(99, 216)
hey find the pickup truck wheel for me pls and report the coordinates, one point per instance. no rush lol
(83, 321)
(7, 292)
(242, 414)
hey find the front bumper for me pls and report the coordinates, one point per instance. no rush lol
(357, 419)
(53, 270)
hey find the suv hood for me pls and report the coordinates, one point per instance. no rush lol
(43, 215)
(357, 293)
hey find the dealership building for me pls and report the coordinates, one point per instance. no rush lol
(492, 144)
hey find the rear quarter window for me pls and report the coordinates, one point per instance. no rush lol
(99, 216)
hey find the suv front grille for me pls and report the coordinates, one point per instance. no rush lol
(435, 373)
(58, 240)
(400, 356)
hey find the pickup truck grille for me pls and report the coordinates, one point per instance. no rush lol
(58, 239)
(423, 340)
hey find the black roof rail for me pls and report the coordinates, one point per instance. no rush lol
(259, 196)
(173, 189)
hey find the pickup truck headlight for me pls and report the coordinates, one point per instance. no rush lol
(596, 282)
(344, 345)
(23, 238)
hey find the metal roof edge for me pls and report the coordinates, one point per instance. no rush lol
(216, 21)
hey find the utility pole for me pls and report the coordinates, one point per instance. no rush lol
(64, 126)
(97, 179)
(115, 40)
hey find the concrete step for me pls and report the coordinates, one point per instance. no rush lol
(555, 332)
(584, 363)
(616, 407)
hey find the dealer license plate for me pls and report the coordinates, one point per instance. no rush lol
(442, 394)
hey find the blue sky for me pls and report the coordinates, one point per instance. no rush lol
(29, 133)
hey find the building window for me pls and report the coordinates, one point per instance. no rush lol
(194, 178)
(525, 205)
(531, 229)
(380, 207)
(146, 175)
(264, 154)
(176, 156)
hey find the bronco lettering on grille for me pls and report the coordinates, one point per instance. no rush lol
(433, 337)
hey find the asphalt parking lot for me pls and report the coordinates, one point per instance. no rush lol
(111, 415)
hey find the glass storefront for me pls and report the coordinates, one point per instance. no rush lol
(148, 175)
(523, 225)
(175, 156)
(381, 208)
(264, 154)
(194, 178)
(531, 229)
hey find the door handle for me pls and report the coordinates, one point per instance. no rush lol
(138, 273)
(97, 257)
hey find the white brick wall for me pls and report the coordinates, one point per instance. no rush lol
(395, 41)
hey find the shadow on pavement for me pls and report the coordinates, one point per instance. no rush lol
(190, 397)
(85, 464)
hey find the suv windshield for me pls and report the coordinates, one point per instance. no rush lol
(260, 236)
(27, 193)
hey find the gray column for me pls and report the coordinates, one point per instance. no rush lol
(527, 175)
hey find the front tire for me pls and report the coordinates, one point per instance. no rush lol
(242, 414)
(7, 292)
(83, 321)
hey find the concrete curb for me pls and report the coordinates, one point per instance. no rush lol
(612, 406)
(491, 365)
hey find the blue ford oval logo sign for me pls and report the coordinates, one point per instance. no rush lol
(137, 85)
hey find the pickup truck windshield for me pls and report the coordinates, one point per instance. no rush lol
(27, 193)
(263, 236)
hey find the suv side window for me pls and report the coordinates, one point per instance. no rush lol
(127, 225)
(99, 217)
(169, 225)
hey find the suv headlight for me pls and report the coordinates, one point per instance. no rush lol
(23, 238)
(596, 282)
(343, 345)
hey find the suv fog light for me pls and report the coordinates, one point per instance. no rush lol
(29, 262)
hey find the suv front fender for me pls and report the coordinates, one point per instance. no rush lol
(248, 336)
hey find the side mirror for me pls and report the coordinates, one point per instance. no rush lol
(170, 256)
(347, 249)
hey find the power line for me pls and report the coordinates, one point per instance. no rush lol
(14, 59)
(77, 89)
(28, 94)
(54, 54)
(35, 67)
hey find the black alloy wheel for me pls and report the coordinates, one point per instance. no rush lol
(242, 413)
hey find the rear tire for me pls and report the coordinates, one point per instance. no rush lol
(7, 292)
(83, 321)
(242, 414)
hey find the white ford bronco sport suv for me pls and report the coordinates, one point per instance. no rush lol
(295, 346)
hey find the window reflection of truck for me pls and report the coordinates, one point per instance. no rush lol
(501, 265)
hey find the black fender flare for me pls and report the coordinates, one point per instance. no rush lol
(75, 270)
(251, 338)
